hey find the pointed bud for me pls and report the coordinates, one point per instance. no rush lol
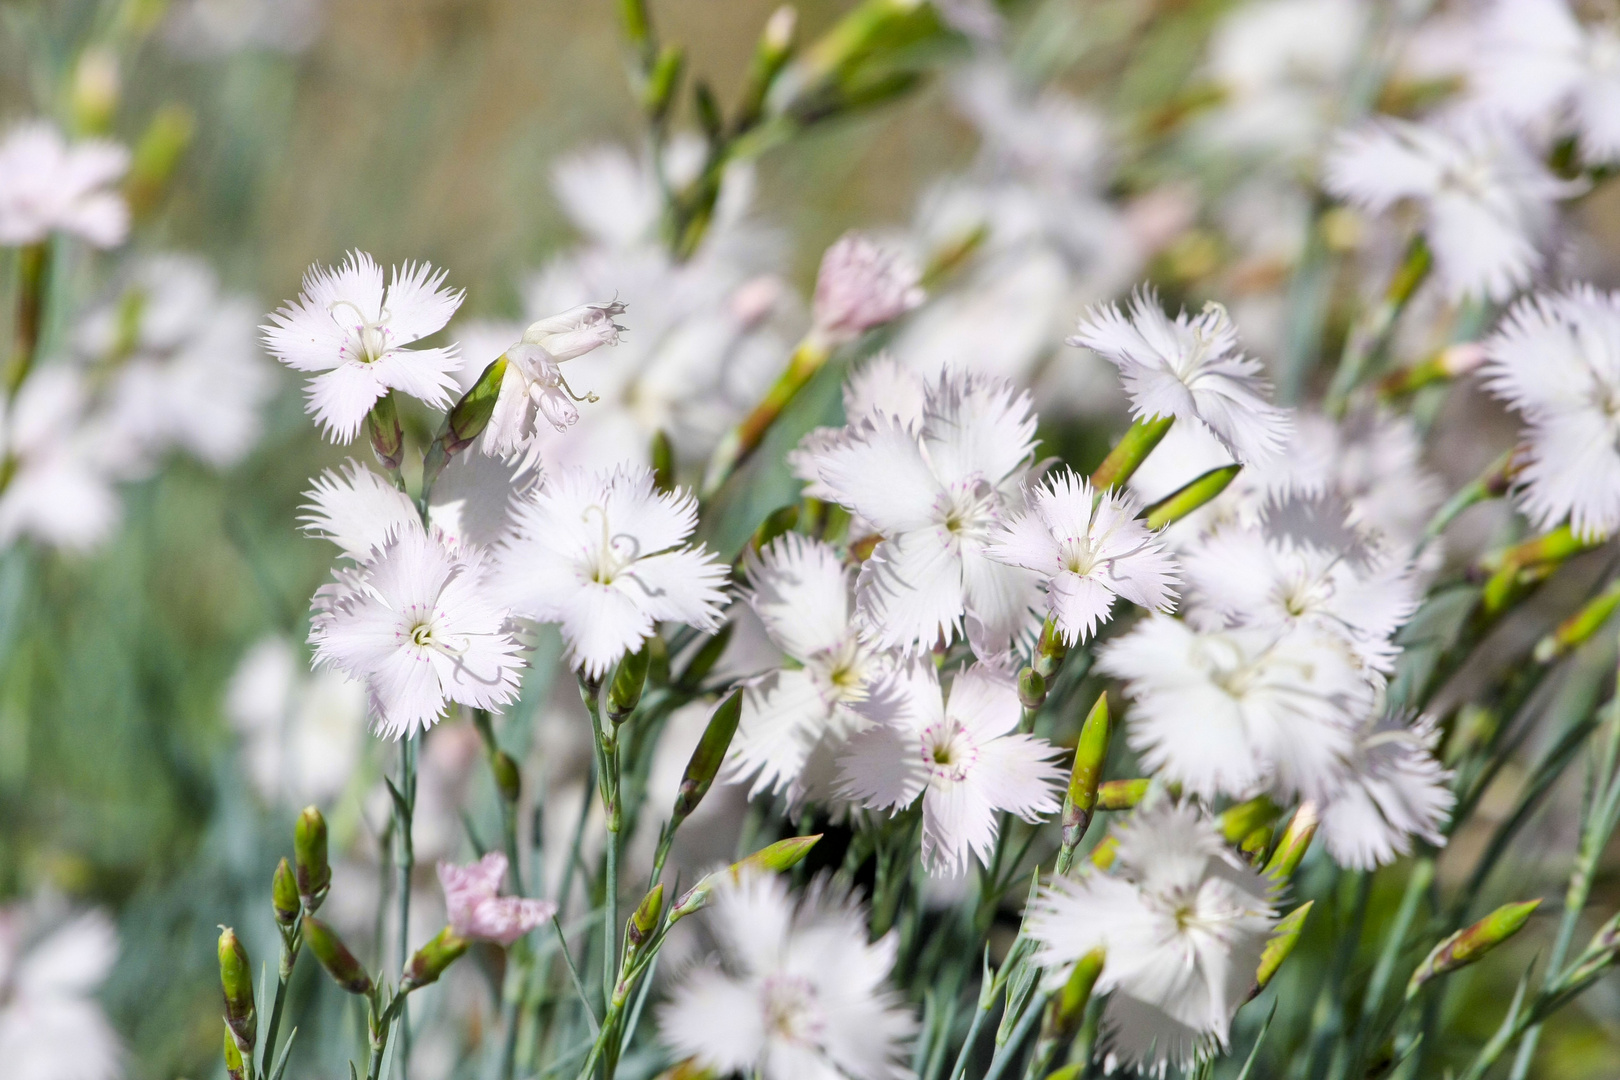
(1255, 846)
(1296, 839)
(1579, 627)
(1238, 821)
(625, 693)
(470, 416)
(1031, 689)
(508, 777)
(862, 285)
(235, 1069)
(1190, 496)
(1090, 756)
(1050, 648)
(1068, 1008)
(236, 979)
(663, 463)
(1466, 946)
(309, 857)
(156, 154)
(645, 919)
(1284, 936)
(775, 858)
(1122, 794)
(387, 437)
(335, 957)
(284, 894)
(707, 655)
(1131, 450)
(659, 92)
(428, 962)
(775, 46)
(708, 757)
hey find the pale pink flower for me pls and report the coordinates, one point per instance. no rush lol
(47, 185)
(861, 286)
(476, 910)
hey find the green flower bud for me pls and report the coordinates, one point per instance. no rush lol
(234, 1066)
(156, 154)
(236, 979)
(707, 758)
(1284, 936)
(429, 962)
(772, 52)
(1068, 1008)
(508, 777)
(309, 857)
(469, 417)
(1579, 627)
(1296, 839)
(387, 437)
(1466, 946)
(1129, 453)
(625, 693)
(1050, 648)
(775, 858)
(1241, 819)
(659, 93)
(1122, 794)
(645, 919)
(1190, 496)
(284, 894)
(335, 957)
(663, 463)
(707, 655)
(1031, 689)
(1090, 756)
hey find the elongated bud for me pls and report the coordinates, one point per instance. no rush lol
(659, 93)
(1255, 846)
(1190, 496)
(387, 437)
(1284, 936)
(335, 957)
(645, 918)
(657, 661)
(775, 858)
(284, 894)
(428, 962)
(1468, 945)
(508, 777)
(234, 1067)
(1296, 839)
(774, 48)
(1131, 450)
(663, 463)
(309, 857)
(625, 693)
(705, 658)
(1090, 756)
(1579, 627)
(708, 757)
(236, 979)
(1069, 1072)
(1031, 689)
(1122, 794)
(1238, 821)
(1050, 648)
(470, 416)
(157, 152)
(1068, 1008)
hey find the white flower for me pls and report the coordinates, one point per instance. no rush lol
(300, 731)
(1183, 922)
(1541, 68)
(533, 385)
(1394, 790)
(1272, 577)
(798, 993)
(937, 495)
(605, 556)
(861, 286)
(1090, 548)
(795, 720)
(360, 510)
(880, 387)
(48, 186)
(1487, 200)
(420, 623)
(962, 755)
(1240, 711)
(1555, 358)
(52, 489)
(344, 326)
(1188, 368)
(51, 1026)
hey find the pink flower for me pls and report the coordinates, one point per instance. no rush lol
(476, 912)
(862, 285)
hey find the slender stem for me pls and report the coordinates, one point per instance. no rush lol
(1015, 1042)
(1328, 1016)
(1417, 887)
(33, 274)
(292, 942)
(407, 864)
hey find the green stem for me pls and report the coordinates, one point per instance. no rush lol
(33, 272)
(741, 442)
(1015, 1042)
(406, 865)
(1417, 887)
(292, 942)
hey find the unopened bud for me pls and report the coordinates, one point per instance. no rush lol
(1090, 756)
(1239, 820)
(1468, 945)
(1122, 794)
(775, 858)
(707, 655)
(1131, 450)
(1190, 496)
(707, 757)
(95, 90)
(1255, 845)
(157, 153)
(625, 693)
(663, 463)
(1579, 627)
(645, 918)
(774, 48)
(469, 417)
(428, 962)
(1050, 648)
(387, 437)
(1284, 936)
(860, 286)
(665, 76)
(1031, 689)
(1296, 839)
(508, 777)
(309, 857)
(236, 979)
(284, 894)
(335, 957)
(1068, 1008)
(235, 1069)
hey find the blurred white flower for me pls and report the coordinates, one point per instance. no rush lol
(1237, 712)
(344, 326)
(1487, 200)
(533, 385)
(1188, 368)
(300, 730)
(605, 556)
(862, 285)
(795, 720)
(1090, 548)
(1538, 66)
(879, 387)
(1183, 921)
(937, 495)
(360, 510)
(1555, 358)
(798, 992)
(211, 28)
(1393, 790)
(47, 185)
(52, 487)
(962, 754)
(476, 910)
(420, 624)
(51, 1026)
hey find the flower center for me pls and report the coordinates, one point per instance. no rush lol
(791, 1010)
(369, 339)
(1078, 555)
(948, 752)
(968, 510)
(422, 635)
